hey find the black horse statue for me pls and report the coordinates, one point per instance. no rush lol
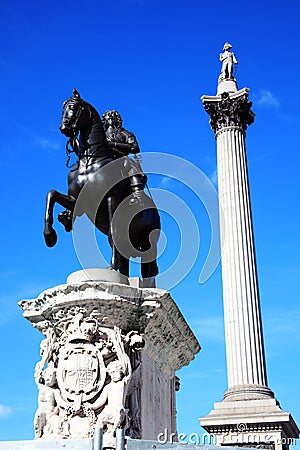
(98, 187)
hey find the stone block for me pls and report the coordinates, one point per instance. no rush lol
(108, 359)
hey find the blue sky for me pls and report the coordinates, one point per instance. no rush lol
(151, 60)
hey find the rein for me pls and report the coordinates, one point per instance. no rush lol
(74, 144)
(69, 151)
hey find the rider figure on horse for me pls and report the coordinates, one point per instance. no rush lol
(103, 185)
(123, 142)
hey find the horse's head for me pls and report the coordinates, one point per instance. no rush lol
(75, 115)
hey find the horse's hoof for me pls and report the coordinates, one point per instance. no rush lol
(50, 238)
(65, 218)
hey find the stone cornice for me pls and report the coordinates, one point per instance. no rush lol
(149, 311)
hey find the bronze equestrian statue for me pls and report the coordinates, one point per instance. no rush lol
(107, 186)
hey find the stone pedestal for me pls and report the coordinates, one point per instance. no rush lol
(257, 423)
(227, 85)
(109, 358)
(248, 403)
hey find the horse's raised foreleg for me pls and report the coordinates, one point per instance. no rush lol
(67, 201)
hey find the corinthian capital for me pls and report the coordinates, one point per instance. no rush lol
(229, 110)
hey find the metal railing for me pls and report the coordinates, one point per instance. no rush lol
(123, 443)
(98, 440)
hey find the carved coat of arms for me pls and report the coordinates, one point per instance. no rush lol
(86, 379)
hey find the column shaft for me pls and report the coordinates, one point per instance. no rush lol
(244, 339)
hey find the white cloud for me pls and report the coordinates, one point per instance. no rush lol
(281, 327)
(211, 328)
(203, 374)
(9, 274)
(214, 177)
(9, 302)
(165, 181)
(266, 99)
(45, 144)
(4, 410)
(283, 324)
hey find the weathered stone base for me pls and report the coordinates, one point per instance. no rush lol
(94, 329)
(250, 422)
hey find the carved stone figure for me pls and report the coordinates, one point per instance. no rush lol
(47, 421)
(96, 186)
(47, 352)
(112, 401)
(46, 403)
(86, 379)
(228, 61)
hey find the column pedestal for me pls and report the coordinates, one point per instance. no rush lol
(252, 423)
(109, 358)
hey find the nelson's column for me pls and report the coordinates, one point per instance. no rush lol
(249, 414)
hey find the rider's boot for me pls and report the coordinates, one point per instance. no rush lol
(137, 184)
